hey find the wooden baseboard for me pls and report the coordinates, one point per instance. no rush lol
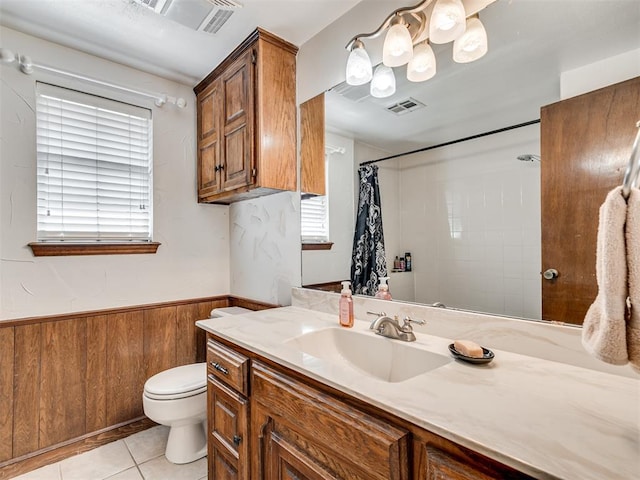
(55, 453)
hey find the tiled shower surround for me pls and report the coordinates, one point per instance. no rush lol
(470, 216)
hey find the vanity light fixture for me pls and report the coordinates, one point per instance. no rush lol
(359, 69)
(398, 44)
(409, 32)
(423, 64)
(383, 83)
(472, 44)
(447, 21)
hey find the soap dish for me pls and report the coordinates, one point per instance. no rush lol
(486, 357)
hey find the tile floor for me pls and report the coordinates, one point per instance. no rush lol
(137, 457)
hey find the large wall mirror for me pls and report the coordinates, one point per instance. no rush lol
(470, 212)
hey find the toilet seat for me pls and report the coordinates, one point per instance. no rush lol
(178, 382)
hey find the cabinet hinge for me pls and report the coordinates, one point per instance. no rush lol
(253, 57)
(254, 173)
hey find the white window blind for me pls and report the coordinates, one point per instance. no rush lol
(94, 167)
(314, 217)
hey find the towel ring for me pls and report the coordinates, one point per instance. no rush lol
(633, 168)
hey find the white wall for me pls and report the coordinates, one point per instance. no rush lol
(600, 74)
(319, 266)
(265, 247)
(193, 260)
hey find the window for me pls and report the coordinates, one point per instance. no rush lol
(94, 169)
(314, 215)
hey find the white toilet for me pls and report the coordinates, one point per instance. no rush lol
(178, 398)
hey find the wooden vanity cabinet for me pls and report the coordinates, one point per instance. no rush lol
(265, 424)
(246, 122)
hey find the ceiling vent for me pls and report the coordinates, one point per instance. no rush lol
(355, 93)
(405, 106)
(201, 15)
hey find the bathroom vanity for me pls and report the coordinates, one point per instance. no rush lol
(292, 395)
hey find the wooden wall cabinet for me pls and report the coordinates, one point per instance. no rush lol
(246, 119)
(266, 423)
(312, 146)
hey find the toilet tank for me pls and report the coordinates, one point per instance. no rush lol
(227, 311)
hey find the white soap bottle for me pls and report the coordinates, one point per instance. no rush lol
(345, 307)
(383, 289)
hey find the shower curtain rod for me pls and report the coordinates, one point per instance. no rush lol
(452, 142)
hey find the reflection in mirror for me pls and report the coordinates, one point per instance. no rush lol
(470, 213)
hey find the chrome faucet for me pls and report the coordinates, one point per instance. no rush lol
(391, 328)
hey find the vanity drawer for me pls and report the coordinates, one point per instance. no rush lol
(228, 366)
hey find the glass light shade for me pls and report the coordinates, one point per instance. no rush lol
(359, 69)
(383, 83)
(473, 43)
(448, 21)
(398, 47)
(423, 64)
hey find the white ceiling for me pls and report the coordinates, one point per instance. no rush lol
(131, 34)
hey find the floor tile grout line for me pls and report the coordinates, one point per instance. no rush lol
(135, 462)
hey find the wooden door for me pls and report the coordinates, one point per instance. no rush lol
(209, 136)
(228, 445)
(285, 462)
(586, 143)
(238, 120)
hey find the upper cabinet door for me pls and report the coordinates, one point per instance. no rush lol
(586, 144)
(238, 84)
(209, 134)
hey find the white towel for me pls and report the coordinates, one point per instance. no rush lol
(632, 235)
(604, 332)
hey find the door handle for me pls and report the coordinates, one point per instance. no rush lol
(550, 274)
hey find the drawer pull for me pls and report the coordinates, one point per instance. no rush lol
(237, 439)
(219, 367)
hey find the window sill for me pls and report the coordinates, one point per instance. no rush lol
(317, 246)
(57, 249)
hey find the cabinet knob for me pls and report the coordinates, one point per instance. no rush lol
(237, 439)
(550, 274)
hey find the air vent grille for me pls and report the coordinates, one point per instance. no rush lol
(405, 106)
(217, 21)
(150, 3)
(356, 93)
(224, 3)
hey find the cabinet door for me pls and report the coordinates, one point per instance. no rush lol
(209, 139)
(285, 462)
(456, 464)
(238, 122)
(300, 432)
(228, 445)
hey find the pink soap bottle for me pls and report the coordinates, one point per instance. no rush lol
(346, 306)
(383, 289)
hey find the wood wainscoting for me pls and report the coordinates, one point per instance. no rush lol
(69, 383)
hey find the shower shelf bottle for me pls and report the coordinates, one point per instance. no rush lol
(345, 307)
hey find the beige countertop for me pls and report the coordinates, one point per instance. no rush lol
(544, 418)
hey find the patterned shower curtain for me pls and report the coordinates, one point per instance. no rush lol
(368, 261)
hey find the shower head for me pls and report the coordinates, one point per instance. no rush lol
(529, 157)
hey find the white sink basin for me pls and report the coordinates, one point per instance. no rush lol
(379, 357)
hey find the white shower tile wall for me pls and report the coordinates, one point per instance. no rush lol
(470, 215)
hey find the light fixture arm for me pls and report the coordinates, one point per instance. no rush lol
(400, 11)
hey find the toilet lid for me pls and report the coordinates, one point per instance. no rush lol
(185, 380)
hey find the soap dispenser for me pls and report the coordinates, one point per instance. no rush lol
(346, 305)
(383, 289)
